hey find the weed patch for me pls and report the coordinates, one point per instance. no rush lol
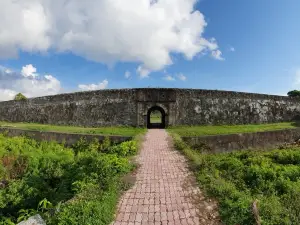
(77, 185)
(238, 179)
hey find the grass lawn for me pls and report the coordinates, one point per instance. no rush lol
(155, 119)
(124, 131)
(228, 129)
(238, 179)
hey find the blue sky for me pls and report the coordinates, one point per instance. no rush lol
(259, 41)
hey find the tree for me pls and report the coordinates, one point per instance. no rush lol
(20, 97)
(294, 93)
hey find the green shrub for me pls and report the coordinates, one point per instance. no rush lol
(105, 144)
(82, 181)
(237, 179)
(81, 146)
(95, 208)
(127, 148)
(20, 97)
(294, 93)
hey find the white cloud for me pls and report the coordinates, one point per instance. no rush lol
(28, 82)
(127, 74)
(93, 87)
(169, 78)
(28, 29)
(7, 94)
(29, 71)
(217, 54)
(232, 49)
(181, 77)
(142, 72)
(7, 71)
(280, 93)
(106, 31)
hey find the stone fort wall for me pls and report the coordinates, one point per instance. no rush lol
(129, 107)
(96, 108)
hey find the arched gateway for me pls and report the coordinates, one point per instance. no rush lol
(162, 121)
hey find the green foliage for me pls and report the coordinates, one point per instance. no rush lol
(95, 207)
(6, 221)
(81, 146)
(127, 148)
(24, 214)
(77, 185)
(294, 93)
(106, 144)
(178, 143)
(44, 205)
(237, 179)
(20, 97)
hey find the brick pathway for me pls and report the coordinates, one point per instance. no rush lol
(163, 192)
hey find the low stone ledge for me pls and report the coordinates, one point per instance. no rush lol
(68, 138)
(231, 142)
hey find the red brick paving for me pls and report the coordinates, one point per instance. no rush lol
(162, 192)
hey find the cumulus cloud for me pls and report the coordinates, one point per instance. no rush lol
(29, 71)
(7, 94)
(169, 78)
(26, 81)
(106, 31)
(142, 72)
(181, 77)
(93, 87)
(127, 74)
(217, 54)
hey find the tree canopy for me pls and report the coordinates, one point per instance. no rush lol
(294, 93)
(19, 97)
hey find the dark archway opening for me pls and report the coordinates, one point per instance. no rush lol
(156, 118)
